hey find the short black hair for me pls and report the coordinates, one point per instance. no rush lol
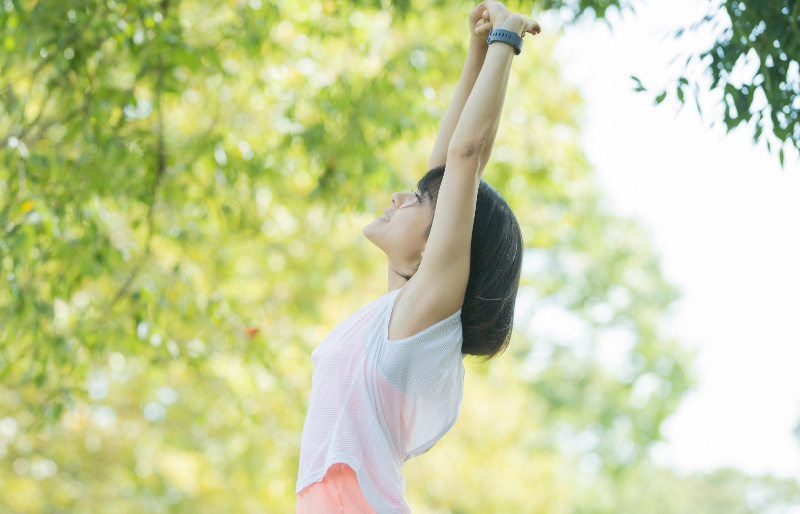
(487, 315)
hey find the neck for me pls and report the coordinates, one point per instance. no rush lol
(395, 281)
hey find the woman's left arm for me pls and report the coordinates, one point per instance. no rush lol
(437, 290)
(469, 74)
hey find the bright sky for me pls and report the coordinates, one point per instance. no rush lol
(723, 216)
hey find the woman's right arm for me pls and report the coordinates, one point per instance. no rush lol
(476, 53)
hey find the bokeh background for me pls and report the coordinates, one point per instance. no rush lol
(182, 190)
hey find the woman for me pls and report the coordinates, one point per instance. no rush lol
(388, 381)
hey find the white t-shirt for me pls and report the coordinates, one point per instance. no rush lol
(376, 402)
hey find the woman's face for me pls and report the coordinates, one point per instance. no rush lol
(400, 232)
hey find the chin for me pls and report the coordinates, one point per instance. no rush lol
(371, 234)
(368, 231)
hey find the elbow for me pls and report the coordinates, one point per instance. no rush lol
(470, 149)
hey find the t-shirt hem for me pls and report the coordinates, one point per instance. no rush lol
(374, 500)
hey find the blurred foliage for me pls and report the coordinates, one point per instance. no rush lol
(754, 65)
(183, 188)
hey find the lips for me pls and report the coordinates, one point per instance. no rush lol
(386, 214)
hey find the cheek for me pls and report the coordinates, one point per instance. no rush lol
(412, 230)
(408, 226)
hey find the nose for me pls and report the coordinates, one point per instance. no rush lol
(395, 199)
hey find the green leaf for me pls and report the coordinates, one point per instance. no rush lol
(660, 97)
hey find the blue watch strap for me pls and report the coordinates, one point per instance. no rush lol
(506, 36)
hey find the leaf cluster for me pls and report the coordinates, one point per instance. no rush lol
(752, 35)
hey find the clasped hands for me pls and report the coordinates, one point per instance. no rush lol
(490, 14)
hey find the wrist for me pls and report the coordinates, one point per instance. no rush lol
(477, 42)
(513, 22)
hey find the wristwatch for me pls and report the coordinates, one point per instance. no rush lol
(506, 36)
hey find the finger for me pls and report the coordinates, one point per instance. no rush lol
(483, 29)
(478, 9)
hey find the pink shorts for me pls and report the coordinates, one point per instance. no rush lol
(337, 493)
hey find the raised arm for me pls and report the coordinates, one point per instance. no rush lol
(476, 53)
(477, 126)
(438, 287)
